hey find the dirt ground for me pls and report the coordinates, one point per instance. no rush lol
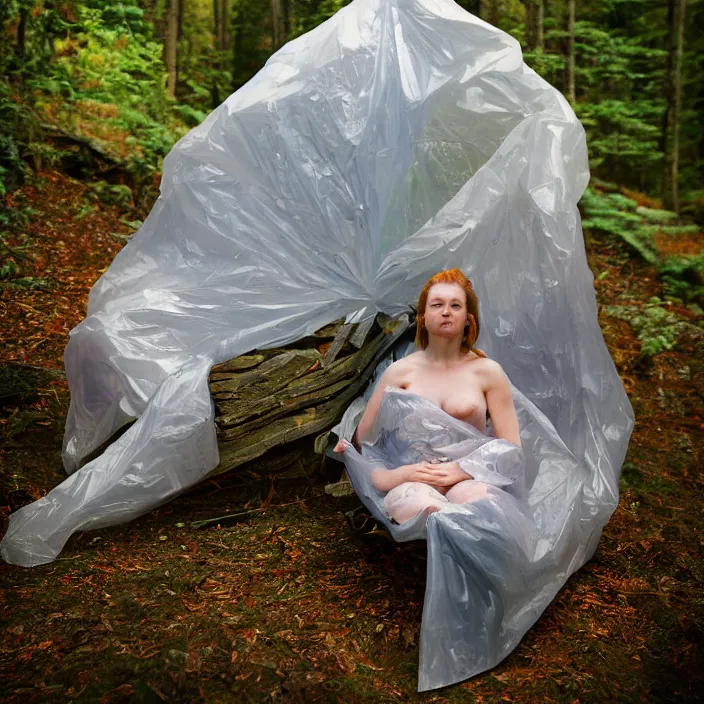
(288, 605)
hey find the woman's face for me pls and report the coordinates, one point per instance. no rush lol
(446, 310)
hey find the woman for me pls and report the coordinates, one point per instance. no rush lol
(458, 379)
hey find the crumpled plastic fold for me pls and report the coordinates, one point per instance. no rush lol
(397, 139)
(495, 563)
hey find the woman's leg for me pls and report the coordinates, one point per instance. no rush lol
(410, 498)
(466, 491)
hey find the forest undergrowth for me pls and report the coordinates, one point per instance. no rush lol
(290, 606)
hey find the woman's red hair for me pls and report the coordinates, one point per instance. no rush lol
(451, 276)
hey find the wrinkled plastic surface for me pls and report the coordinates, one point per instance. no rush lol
(397, 139)
(494, 563)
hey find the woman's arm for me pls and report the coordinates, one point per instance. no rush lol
(386, 479)
(443, 475)
(500, 404)
(390, 377)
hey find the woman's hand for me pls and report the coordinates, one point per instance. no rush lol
(342, 445)
(387, 479)
(441, 475)
(445, 474)
(426, 472)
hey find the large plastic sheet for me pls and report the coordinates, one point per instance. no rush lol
(399, 138)
(493, 563)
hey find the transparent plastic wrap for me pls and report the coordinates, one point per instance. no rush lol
(399, 138)
(496, 562)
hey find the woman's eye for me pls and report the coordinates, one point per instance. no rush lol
(456, 305)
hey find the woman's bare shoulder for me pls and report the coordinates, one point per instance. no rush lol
(490, 369)
(396, 374)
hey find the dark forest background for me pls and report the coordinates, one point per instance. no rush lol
(288, 605)
(100, 90)
(128, 77)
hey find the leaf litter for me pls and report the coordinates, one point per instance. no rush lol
(287, 605)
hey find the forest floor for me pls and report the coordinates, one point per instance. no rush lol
(290, 606)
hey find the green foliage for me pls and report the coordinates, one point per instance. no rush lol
(602, 213)
(111, 194)
(124, 15)
(108, 83)
(623, 202)
(622, 136)
(31, 283)
(311, 13)
(658, 216)
(8, 269)
(672, 230)
(11, 269)
(547, 65)
(16, 129)
(82, 58)
(658, 329)
(683, 277)
(616, 214)
(190, 115)
(620, 57)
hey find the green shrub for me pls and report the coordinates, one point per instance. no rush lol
(108, 83)
(658, 329)
(683, 277)
(660, 216)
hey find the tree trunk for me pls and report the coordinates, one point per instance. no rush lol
(494, 12)
(275, 29)
(221, 16)
(669, 102)
(234, 58)
(570, 52)
(539, 28)
(225, 22)
(268, 399)
(676, 17)
(22, 32)
(216, 23)
(531, 34)
(285, 20)
(170, 46)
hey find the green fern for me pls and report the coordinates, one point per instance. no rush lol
(658, 329)
(660, 216)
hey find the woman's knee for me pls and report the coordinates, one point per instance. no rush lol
(407, 500)
(465, 491)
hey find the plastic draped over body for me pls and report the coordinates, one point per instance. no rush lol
(397, 139)
(495, 562)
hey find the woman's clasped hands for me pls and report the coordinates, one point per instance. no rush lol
(439, 474)
(436, 473)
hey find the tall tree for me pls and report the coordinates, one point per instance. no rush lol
(275, 33)
(285, 20)
(22, 31)
(171, 45)
(540, 25)
(492, 13)
(279, 22)
(671, 123)
(221, 13)
(534, 24)
(570, 51)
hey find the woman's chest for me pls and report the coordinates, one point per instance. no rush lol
(460, 395)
